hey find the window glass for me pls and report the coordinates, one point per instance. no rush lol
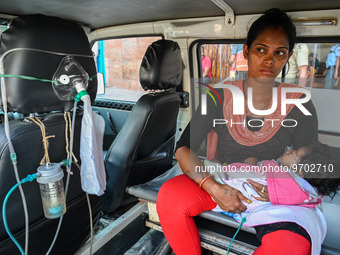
(119, 61)
(322, 60)
(311, 65)
(215, 66)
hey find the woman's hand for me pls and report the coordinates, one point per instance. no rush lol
(261, 189)
(228, 198)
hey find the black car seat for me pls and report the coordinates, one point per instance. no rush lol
(38, 44)
(144, 146)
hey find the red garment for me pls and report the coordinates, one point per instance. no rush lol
(206, 62)
(241, 133)
(241, 62)
(180, 199)
(294, 244)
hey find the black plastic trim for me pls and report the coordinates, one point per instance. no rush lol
(125, 106)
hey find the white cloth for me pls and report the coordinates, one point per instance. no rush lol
(261, 213)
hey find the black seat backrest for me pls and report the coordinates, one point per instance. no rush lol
(143, 148)
(38, 44)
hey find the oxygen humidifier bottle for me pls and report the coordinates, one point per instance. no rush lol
(52, 190)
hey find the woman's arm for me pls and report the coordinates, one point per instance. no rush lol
(206, 71)
(228, 198)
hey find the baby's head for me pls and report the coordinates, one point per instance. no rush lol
(317, 165)
(293, 157)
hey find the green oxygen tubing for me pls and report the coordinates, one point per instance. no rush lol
(29, 178)
(239, 228)
(7, 131)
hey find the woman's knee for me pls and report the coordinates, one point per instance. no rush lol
(172, 193)
(166, 195)
(181, 196)
(167, 190)
(284, 242)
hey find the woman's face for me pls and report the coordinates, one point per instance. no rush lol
(268, 53)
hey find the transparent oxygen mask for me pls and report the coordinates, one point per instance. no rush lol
(69, 73)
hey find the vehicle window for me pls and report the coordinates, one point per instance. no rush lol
(119, 61)
(311, 65)
(214, 62)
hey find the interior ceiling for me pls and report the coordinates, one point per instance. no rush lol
(104, 13)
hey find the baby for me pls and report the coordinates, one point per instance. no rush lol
(315, 163)
(299, 177)
(285, 190)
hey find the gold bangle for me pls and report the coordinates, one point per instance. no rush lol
(206, 178)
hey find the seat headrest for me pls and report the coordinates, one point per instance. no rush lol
(161, 67)
(44, 33)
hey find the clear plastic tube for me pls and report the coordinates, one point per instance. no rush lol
(68, 176)
(12, 152)
(10, 145)
(43, 51)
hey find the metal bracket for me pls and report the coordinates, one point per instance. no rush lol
(229, 13)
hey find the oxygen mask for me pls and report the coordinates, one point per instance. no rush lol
(68, 74)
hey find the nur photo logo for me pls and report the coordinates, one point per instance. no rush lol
(239, 101)
(204, 96)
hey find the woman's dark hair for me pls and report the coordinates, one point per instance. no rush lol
(273, 18)
(326, 169)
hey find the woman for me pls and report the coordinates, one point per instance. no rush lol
(269, 45)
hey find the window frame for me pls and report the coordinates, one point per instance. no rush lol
(161, 36)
